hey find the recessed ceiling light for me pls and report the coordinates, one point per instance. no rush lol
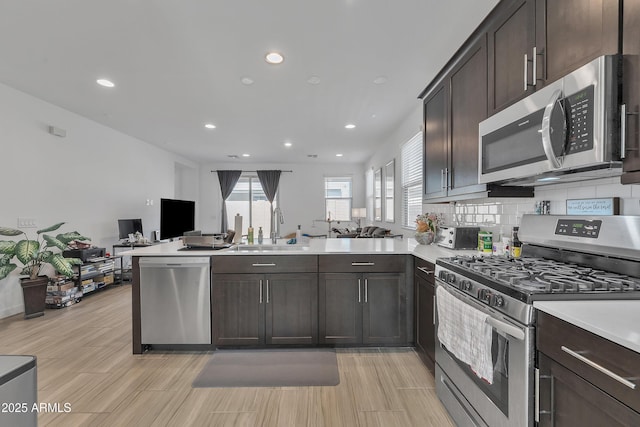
(380, 80)
(274, 58)
(349, 126)
(246, 81)
(313, 156)
(339, 155)
(210, 126)
(105, 83)
(288, 144)
(313, 80)
(246, 155)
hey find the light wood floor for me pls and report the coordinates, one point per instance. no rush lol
(84, 359)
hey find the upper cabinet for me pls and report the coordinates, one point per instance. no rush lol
(535, 42)
(631, 91)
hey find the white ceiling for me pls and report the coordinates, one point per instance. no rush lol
(178, 64)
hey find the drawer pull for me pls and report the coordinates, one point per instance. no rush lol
(425, 271)
(596, 366)
(264, 264)
(358, 264)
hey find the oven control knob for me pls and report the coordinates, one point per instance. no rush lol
(495, 300)
(451, 278)
(442, 275)
(483, 294)
(465, 285)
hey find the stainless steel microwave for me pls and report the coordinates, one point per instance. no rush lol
(568, 130)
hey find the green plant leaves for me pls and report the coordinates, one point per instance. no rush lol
(27, 250)
(52, 228)
(61, 265)
(5, 270)
(52, 241)
(6, 231)
(74, 261)
(7, 247)
(5, 260)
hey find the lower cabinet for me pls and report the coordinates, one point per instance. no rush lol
(425, 301)
(362, 308)
(585, 380)
(259, 309)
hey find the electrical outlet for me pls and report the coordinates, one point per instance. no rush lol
(24, 222)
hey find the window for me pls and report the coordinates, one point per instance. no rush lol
(411, 165)
(337, 193)
(248, 199)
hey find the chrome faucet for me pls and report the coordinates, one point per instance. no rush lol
(279, 220)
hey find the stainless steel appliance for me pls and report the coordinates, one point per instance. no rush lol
(566, 131)
(455, 237)
(175, 300)
(19, 391)
(564, 258)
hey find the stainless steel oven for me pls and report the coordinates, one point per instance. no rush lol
(470, 399)
(564, 258)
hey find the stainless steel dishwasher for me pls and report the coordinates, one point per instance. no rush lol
(175, 300)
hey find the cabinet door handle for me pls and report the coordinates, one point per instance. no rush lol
(263, 264)
(267, 291)
(366, 290)
(260, 291)
(359, 291)
(360, 264)
(425, 271)
(534, 73)
(537, 412)
(434, 309)
(526, 80)
(442, 179)
(623, 131)
(598, 367)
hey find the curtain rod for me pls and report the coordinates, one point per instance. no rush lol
(253, 171)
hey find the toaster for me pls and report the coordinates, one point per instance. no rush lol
(458, 237)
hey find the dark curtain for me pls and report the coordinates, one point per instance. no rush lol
(228, 180)
(269, 180)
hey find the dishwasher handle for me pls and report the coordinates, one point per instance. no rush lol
(173, 262)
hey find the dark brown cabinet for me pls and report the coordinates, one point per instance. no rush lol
(535, 42)
(425, 302)
(274, 307)
(585, 380)
(452, 110)
(631, 91)
(362, 299)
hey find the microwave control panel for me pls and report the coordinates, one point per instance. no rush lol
(579, 108)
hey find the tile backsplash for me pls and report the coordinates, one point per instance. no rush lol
(500, 215)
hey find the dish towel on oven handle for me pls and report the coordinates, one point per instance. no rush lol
(463, 330)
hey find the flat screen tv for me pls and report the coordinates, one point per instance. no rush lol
(129, 226)
(176, 217)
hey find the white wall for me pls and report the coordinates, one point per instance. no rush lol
(88, 179)
(301, 193)
(391, 150)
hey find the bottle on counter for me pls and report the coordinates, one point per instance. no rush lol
(299, 235)
(516, 244)
(250, 235)
(260, 235)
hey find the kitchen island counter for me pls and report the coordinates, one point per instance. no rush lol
(373, 246)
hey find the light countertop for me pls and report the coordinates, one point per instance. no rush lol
(617, 321)
(312, 247)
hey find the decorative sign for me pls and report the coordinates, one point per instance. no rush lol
(608, 206)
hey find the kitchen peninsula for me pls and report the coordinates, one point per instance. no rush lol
(329, 292)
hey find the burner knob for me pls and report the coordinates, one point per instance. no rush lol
(483, 294)
(496, 300)
(465, 285)
(451, 278)
(442, 275)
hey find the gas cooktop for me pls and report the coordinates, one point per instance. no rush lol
(529, 278)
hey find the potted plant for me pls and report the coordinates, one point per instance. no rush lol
(33, 254)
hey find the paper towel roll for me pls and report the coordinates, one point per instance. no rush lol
(237, 238)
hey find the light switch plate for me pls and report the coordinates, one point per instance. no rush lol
(24, 222)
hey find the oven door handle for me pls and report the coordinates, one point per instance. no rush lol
(506, 328)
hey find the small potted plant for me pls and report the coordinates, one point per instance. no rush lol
(33, 254)
(426, 228)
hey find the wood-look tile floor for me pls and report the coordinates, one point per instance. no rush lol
(85, 359)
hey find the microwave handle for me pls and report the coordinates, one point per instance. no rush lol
(546, 130)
